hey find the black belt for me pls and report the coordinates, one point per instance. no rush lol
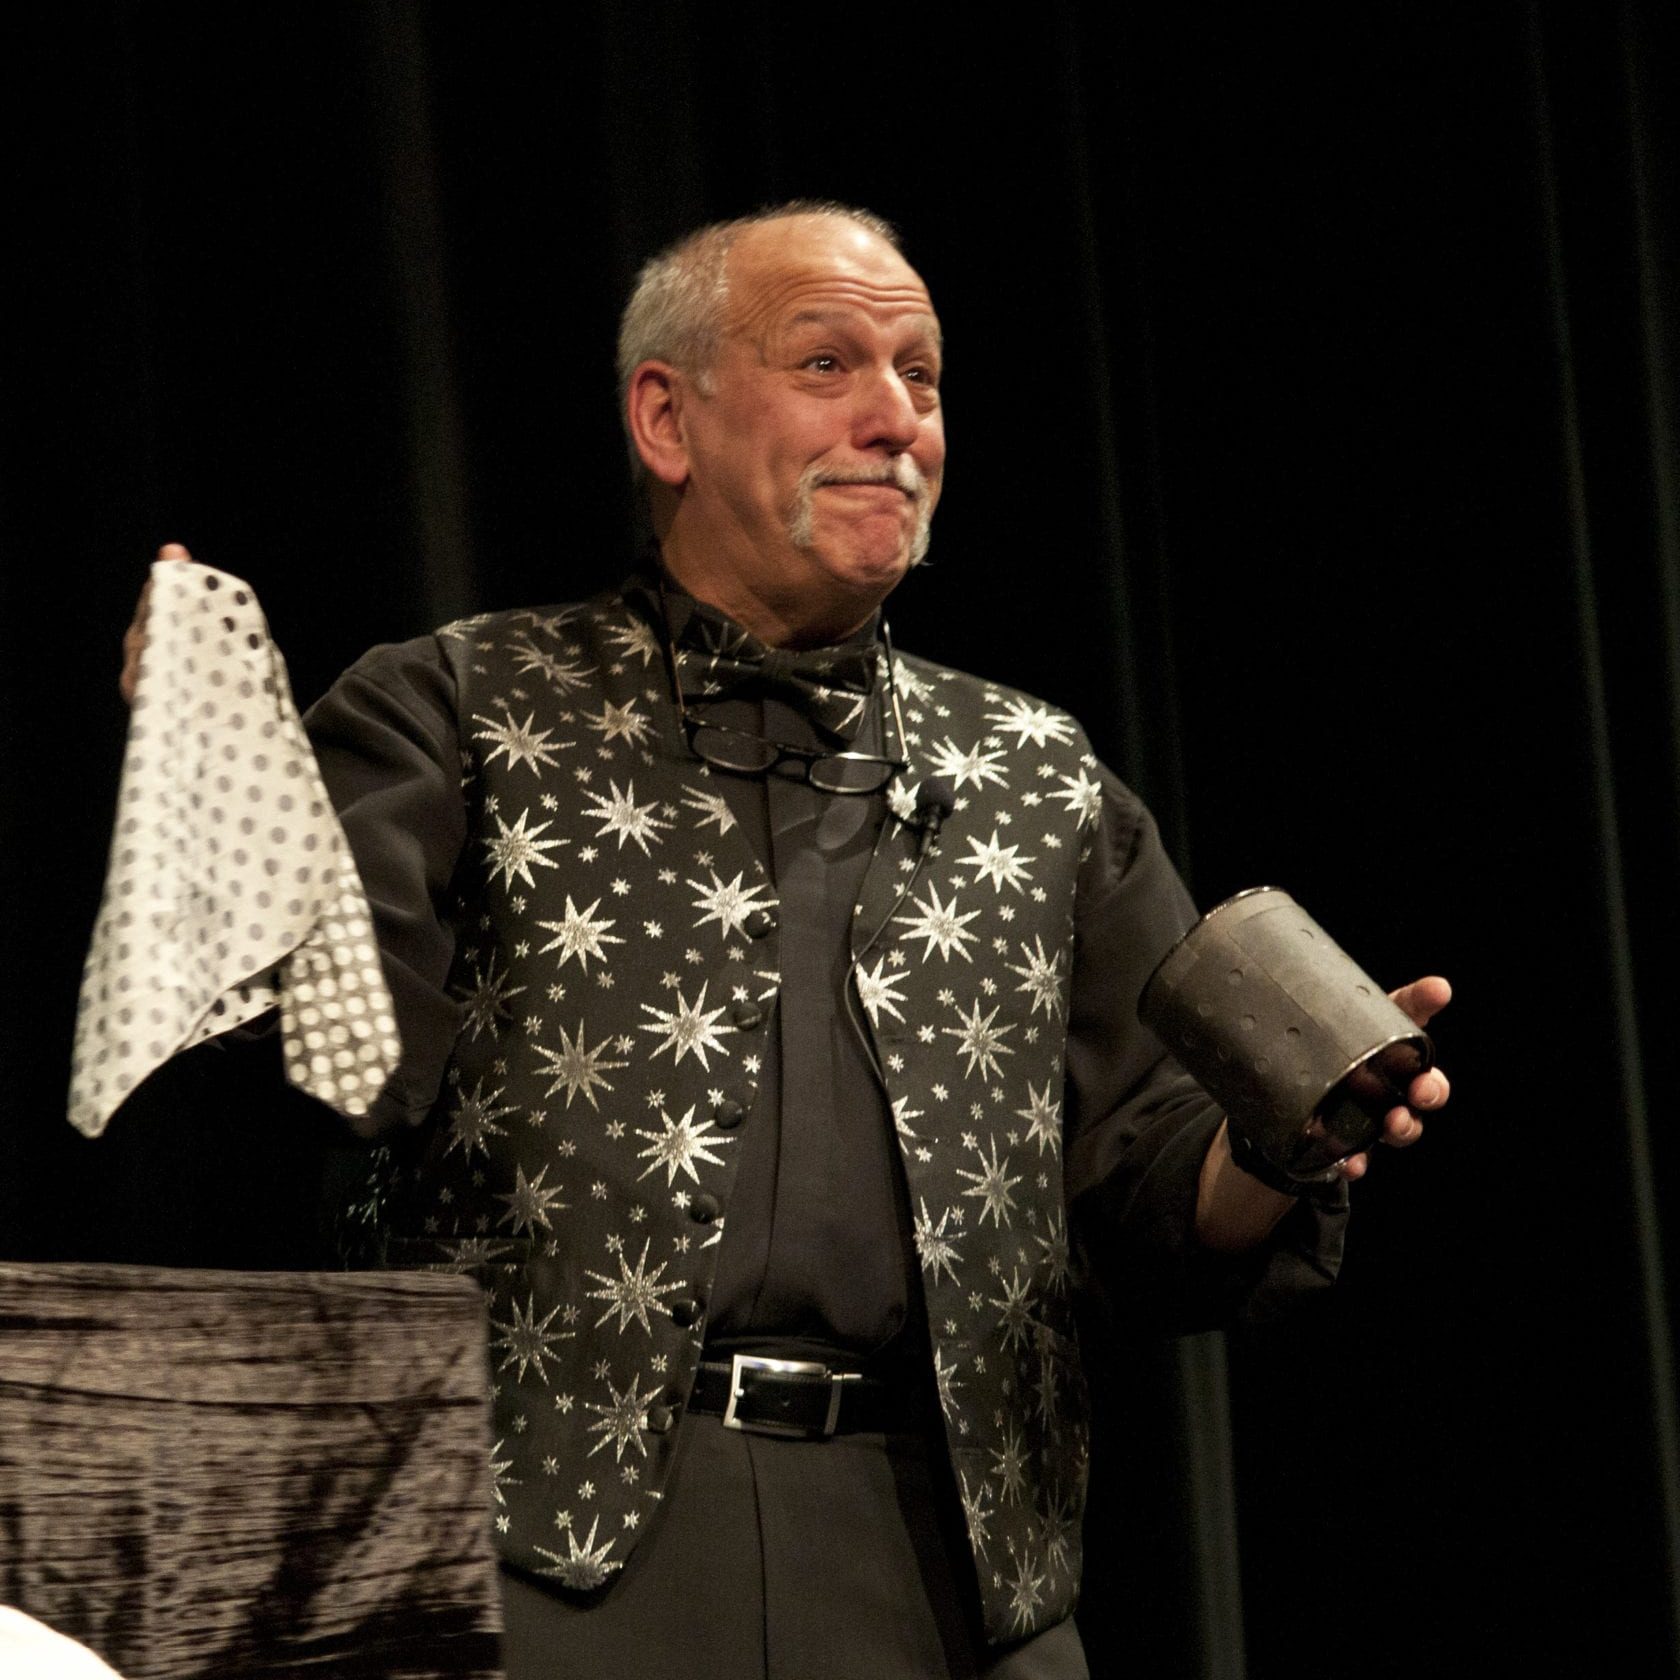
(802, 1398)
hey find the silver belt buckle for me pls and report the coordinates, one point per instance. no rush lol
(788, 1367)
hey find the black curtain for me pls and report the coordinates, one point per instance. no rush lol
(1312, 404)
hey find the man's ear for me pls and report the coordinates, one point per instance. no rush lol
(653, 407)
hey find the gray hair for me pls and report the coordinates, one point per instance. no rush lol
(675, 312)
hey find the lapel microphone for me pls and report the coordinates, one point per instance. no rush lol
(935, 801)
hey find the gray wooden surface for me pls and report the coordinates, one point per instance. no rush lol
(247, 1474)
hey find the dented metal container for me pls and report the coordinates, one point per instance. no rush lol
(1300, 1046)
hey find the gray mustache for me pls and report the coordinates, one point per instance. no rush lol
(902, 473)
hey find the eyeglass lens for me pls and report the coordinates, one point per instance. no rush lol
(730, 749)
(837, 774)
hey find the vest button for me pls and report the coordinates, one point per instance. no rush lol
(746, 1015)
(659, 1419)
(729, 1113)
(684, 1310)
(704, 1208)
(759, 923)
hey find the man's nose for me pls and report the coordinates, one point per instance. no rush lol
(886, 415)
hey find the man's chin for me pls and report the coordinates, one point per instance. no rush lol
(868, 571)
(871, 559)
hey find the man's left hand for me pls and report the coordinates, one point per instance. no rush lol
(1403, 1126)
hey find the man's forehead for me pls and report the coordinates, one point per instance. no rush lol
(803, 269)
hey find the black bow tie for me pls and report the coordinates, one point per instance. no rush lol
(717, 659)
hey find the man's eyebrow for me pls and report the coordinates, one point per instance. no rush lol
(841, 317)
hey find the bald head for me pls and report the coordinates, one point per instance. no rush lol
(774, 266)
(676, 309)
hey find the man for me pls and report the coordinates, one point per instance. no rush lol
(769, 1009)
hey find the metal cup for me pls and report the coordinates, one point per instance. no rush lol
(1301, 1047)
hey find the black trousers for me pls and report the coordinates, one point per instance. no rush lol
(777, 1559)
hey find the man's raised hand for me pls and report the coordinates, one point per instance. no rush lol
(134, 637)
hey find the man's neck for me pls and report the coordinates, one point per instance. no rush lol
(779, 619)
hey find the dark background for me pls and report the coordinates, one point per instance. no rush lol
(1312, 401)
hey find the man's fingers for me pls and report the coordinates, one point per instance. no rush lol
(1401, 1128)
(1423, 999)
(134, 637)
(1429, 1090)
(134, 644)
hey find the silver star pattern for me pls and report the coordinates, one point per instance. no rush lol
(727, 903)
(472, 1121)
(975, 767)
(563, 676)
(576, 1067)
(486, 994)
(620, 723)
(621, 816)
(514, 850)
(568, 762)
(634, 639)
(713, 808)
(1081, 795)
(679, 1146)
(1002, 865)
(632, 1294)
(526, 1338)
(1041, 976)
(688, 1030)
(977, 1512)
(992, 1184)
(1026, 1590)
(1043, 1115)
(877, 991)
(936, 1250)
(581, 1567)
(530, 1202)
(980, 1040)
(578, 935)
(622, 1419)
(520, 742)
(1031, 721)
(942, 925)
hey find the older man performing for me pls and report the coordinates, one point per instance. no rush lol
(769, 1004)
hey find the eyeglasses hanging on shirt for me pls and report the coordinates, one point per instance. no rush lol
(833, 688)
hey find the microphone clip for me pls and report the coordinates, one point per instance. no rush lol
(935, 801)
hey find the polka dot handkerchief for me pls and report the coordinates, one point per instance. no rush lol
(230, 887)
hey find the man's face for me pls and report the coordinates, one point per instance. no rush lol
(817, 455)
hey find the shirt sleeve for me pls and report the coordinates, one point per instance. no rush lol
(386, 739)
(1138, 1127)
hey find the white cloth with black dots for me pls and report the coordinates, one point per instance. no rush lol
(230, 887)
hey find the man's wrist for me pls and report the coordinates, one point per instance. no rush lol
(1247, 1157)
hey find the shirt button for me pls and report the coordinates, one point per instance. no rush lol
(704, 1208)
(659, 1419)
(729, 1113)
(759, 923)
(685, 1309)
(746, 1015)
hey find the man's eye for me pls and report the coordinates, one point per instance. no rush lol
(919, 375)
(823, 363)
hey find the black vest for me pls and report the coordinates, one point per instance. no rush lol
(618, 964)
